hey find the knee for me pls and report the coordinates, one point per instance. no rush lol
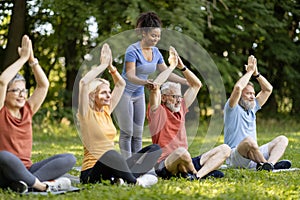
(225, 149)
(125, 136)
(70, 159)
(250, 144)
(110, 155)
(283, 140)
(155, 147)
(5, 156)
(183, 154)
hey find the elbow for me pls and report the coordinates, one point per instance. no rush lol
(82, 82)
(47, 84)
(198, 84)
(238, 88)
(122, 82)
(3, 83)
(270, 89)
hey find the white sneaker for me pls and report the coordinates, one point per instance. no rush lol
(58, 184)
(146, 180)
(118, 181)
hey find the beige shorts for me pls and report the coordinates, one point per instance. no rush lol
(236, 160)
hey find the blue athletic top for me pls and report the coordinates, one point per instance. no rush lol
(239, 123)
(143, 67)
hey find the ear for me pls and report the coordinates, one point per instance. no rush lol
(92, 96)
(163, 98)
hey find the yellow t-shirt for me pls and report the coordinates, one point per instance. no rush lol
(97, 135)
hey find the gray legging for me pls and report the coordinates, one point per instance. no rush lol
(12, 168)
(130, 113)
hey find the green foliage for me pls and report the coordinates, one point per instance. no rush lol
(229, 30)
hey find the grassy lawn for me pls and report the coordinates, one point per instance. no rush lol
(237, 184)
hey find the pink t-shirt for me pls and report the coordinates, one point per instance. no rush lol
(168, 129)
(16, 134)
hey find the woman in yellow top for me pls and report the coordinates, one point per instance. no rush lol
(96, 103)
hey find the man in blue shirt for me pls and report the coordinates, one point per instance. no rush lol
(240, 125)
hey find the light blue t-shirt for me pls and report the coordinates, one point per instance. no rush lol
(239, 123)
(143, 67)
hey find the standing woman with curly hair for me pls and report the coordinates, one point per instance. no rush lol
(141, 59)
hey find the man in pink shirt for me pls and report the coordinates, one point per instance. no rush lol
(166, 115)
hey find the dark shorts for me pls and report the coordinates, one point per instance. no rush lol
(161, 170)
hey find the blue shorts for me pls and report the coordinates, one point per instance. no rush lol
(161, 170)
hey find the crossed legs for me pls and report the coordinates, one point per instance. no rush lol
(249, 148)
(180, 161)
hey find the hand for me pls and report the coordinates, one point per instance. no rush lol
(26, 48)
(251, 66)
(180, 63)
(173, 57)
(150, 84)
(106, 57)
(31, 57)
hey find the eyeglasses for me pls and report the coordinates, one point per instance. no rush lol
(174, 96)
(18, 91)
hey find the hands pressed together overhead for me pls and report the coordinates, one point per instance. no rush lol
(174, 61)
(252, 65)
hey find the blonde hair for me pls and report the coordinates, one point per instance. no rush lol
(96, 83)
(93, 86)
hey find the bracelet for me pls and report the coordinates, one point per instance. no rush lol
(183, 69)
(34, 62)
(258, 74)
(112, 72)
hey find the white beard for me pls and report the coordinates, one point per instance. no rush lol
(247, 105)
(172, 107)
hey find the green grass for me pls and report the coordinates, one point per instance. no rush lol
(237, 184)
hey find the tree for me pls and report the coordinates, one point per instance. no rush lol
(15, 32)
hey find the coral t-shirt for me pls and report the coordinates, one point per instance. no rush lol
(16, 134)
(167, 129)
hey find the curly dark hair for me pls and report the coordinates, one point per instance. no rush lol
(147, 21)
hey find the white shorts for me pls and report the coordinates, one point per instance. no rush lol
(236, 160)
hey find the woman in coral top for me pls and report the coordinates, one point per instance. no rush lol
(96, 103)
(16, 110)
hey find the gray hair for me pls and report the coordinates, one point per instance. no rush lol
(17, 77)
(167, 86)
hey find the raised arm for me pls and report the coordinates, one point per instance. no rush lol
(242, 82)
(266, 88)
(42, 84)
(193, 82)
(119, 87)
(155, 98)
(105, 60)
(173, 61)
(173, 77)
(9, 73)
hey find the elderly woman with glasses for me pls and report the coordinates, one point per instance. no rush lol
(16, 111)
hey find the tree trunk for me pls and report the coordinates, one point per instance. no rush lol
(15, 32)
(71, 64)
